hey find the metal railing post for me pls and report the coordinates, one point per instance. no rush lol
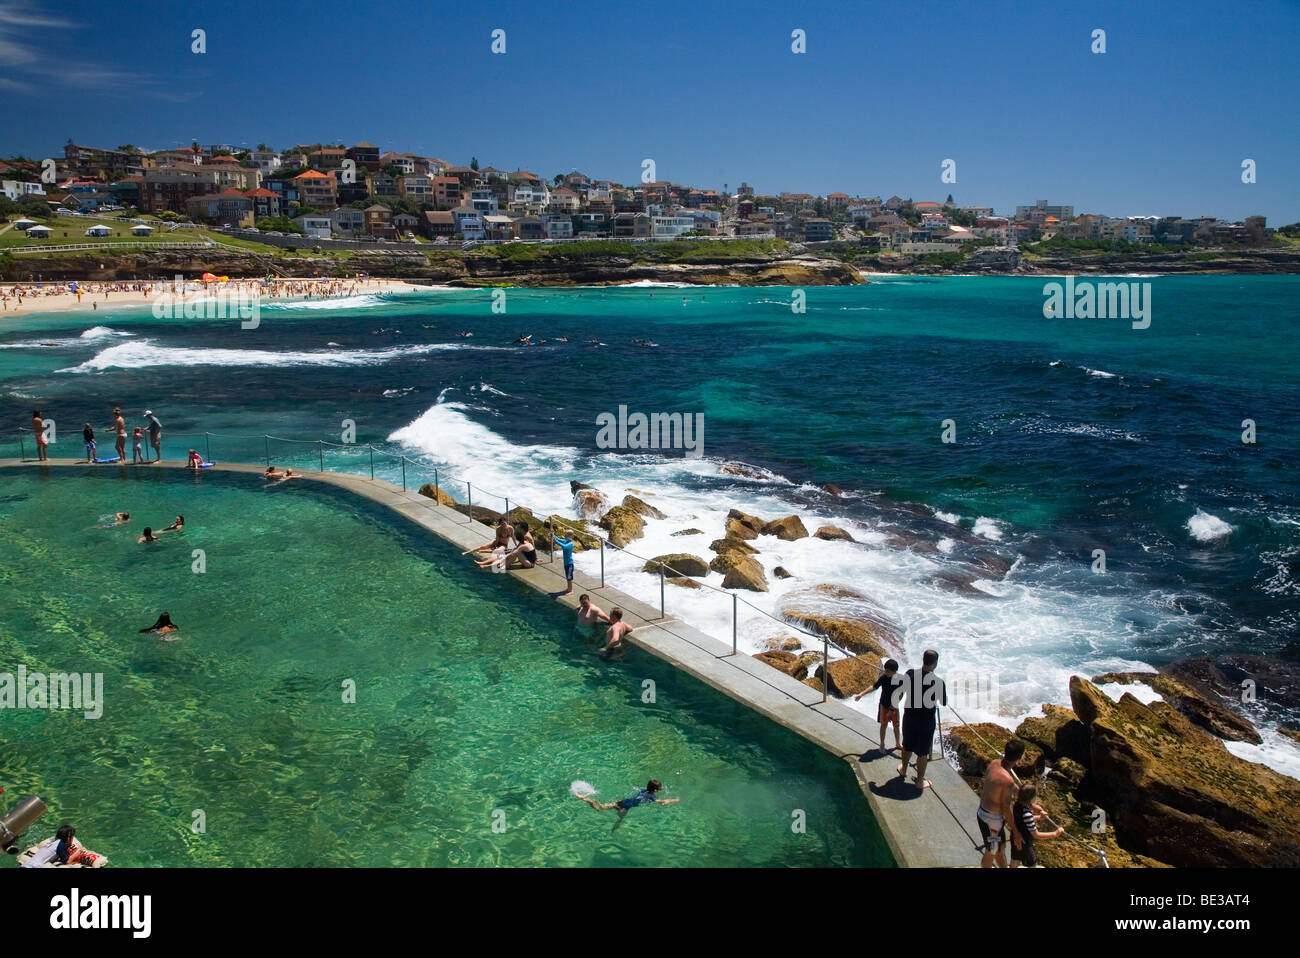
(602, 563)
(469, 500)
(22, 445)
(735, 616)
(826, 671)
(267, 440)
(320, 452)
(403, 473)
(507, 498)
(662, 613)
(372, 462)
(207, 447)
(435, 486)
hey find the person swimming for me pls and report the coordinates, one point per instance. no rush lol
(164, 624)
(642, 796)
(178, 525)
(148, 535)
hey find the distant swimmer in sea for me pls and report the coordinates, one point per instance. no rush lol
(148, 536)
(464, 333)
(616, 635)
(116, 519)
(162, 626)
(289, 474)
(590, 616)
(525, 340)
(561, 339)
(121, 517)
(643, 796)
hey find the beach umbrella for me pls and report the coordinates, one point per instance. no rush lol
(208, 278)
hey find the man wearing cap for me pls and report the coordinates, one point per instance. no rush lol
(155, 434)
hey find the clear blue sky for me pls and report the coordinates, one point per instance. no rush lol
(711, 91)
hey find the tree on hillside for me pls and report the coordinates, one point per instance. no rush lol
(473, 162)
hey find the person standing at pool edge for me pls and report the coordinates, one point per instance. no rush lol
(566, 546)
(155, 434)
(42, 440)
(925, 693)
(119, 427)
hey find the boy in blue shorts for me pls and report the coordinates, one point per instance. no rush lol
(566, 546)
(643, 796)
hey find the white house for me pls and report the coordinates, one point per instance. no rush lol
(348, 222)
(558, 226)
(314, 225)
(17, 189)
(670, 227)
(268, 161)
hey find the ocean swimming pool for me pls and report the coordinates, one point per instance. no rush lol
(475, 706)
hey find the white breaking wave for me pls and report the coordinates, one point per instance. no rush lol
(364, 301)
(144, 353)
(1100, 372)
(1206, 528)
(988, 528)
(103, 332)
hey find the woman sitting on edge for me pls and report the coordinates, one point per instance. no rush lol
(526, 551)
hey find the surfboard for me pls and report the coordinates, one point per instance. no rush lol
(107, 459)
(206, 465)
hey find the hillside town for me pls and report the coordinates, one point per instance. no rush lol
(359, 194)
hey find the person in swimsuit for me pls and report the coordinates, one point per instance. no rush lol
(526, 551)
(194, 460)
(505, 532)
(1025, 821)
(121, 517)
(589, 617)
(155, 434)
(164, 624)
(178, 525)
(88, 435)
(925, 693)
(119, 429)
(566, 547)
(995, 806)
(271, 473)
(616, 646)
(137, 440)
(148, 535)
(42, 440)
(69, 851)
(890, 684)
(643, 796)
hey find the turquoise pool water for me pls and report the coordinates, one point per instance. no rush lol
(475, 706)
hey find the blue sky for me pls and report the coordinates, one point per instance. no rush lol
(1158, 124)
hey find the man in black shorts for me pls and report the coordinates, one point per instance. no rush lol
(925, 693)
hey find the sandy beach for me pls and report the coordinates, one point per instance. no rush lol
(23, 299)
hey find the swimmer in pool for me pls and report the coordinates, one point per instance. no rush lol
(148, 536)
(178, 525)
(271, 473)
(502, 541)
(164, 624)
(617, 635)
(590, 616)
(643, 796)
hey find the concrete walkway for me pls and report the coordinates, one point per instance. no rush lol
(924, 829)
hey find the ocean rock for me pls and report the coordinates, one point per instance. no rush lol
(489, 517)
(831, 488)
(1068, 772)
(861, 628)
(977, 745)
(814, 683)
(900, 540)
(1276, 680)
(995, 567)
(1292, 733)
(810, 659)
(753, 523)
(832, 532)
(443, 499)
(684, 582)
(1058, 734)
(677, 565)
(590, 503)
(784, 642)
(781, 573)
(742, 469)
(641, 507)
(520, 515)
(689, 532)
(577, 531)
(845, 677)
(736, 529)
(732, 544)
(739, 572)
(1200, 706)
(789, 529)
(786, 662)
(962, 583)
(1174, 792)
(575, 486)
(623, 525)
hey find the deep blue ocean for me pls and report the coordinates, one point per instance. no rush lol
(1070, 436)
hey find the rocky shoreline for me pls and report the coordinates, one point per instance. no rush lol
(1170, 792)
(438, 268)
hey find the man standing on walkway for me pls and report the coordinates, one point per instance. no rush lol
(155, 434)
(925, 693)
(119, 430)
(995, 811)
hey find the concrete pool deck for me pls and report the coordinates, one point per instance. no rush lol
(924, 829)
